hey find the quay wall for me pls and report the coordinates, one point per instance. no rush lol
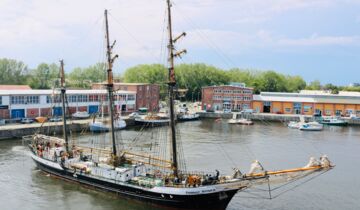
(9, 131)
(268, 117)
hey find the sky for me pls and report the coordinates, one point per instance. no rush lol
(316, 39)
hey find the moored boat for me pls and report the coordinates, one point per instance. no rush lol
(81, 115)
(311, 126)
(333, 121)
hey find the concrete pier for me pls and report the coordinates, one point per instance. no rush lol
(18, 130)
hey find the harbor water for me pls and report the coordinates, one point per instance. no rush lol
(208, 145)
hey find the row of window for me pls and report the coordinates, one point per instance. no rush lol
(70, 98)
(24, 100)
(229, 98)
(232, 91)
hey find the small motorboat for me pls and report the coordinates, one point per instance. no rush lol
(81, 115)
(311, 126)
(100, 126)
(152, 119)
(294, 124)
(333, 121)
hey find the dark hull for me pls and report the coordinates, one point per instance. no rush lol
(218, 200)
(187, 119)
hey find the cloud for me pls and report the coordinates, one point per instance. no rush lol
(316, 40)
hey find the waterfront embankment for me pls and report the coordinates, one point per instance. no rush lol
(18, 130)
(268, 117)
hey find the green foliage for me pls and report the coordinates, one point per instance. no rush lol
(12, 72)
(84, 77)
(44, 76)
(314, 85)
(195, 76)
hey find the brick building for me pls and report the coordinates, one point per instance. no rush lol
(234, 97)
(147, 95)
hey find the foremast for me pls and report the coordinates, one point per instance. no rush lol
(171, 87)
(110, 83)
(63, 98)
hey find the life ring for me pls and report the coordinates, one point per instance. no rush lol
(32, 112)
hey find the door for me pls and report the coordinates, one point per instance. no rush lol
(93, 109)
(17, 113)
(123, 107)
(57, 111)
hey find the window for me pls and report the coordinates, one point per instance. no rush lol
(131, 97)
(226, 106)
(217, 91)
(32, 100)
(82, 98)
(24, 99)
(338, 112)
(287, 110)
(217, 97)
(246, 106)
(247, 98)
(93, 98)
(247, 91)
(327, 112)
(307, 108)
(0, 100)
(238, 106)
(237, 91)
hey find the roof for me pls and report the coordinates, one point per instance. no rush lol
(343, 97)
(219, 86)
(123, 83)
(50, 91)
(15, 87)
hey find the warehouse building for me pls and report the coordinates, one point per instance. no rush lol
(15, 103)
(308, 103)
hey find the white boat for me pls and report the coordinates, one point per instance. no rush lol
(187, 116)
(152, 120)
(311, 126)
(333, 121)
(294, 124)
(100, 126)
(81, 115)
(241, 121)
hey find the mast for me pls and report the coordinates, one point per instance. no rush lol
(63, 91)
(110, 83)
(171, 86)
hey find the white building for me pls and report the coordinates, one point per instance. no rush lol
(16, 104)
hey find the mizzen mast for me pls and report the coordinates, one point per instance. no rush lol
(171, 86)
(110, 82)
(63, 98)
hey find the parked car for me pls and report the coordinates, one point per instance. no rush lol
(26, 120)
(55, 119)
(227, 110)
(247, 111)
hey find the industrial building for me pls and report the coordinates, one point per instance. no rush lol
(147, 95)
(16, 103)
(308, 103)
(235, 96)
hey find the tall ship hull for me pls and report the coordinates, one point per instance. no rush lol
(207, 197)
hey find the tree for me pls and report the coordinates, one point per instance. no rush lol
(84, 77)
(44, 76)
(314, 85)
(12, 72)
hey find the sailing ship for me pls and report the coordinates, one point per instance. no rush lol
(184, 114)
(126, 173)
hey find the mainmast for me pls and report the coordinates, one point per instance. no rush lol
(110, 83)
(63, 97)
(171, 86)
